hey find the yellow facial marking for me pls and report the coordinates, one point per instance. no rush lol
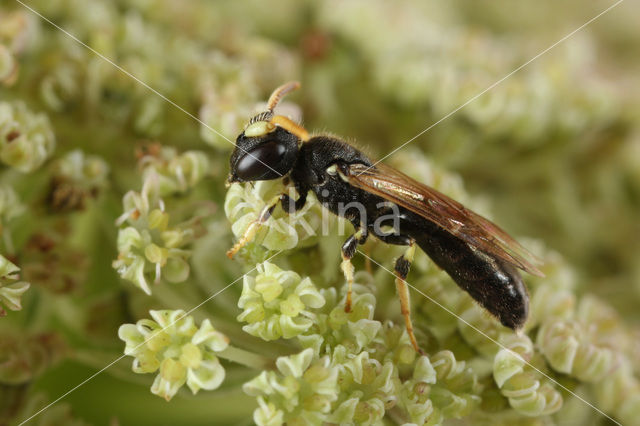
(259, 128)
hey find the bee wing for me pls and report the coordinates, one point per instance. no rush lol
(475, 230)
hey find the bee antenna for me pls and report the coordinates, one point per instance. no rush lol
(280, 92)
(279, 120)
(263, 116)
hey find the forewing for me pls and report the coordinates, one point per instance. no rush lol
(445, 212)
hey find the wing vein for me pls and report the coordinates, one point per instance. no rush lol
(477, 231)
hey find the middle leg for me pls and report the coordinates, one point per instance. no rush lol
(348, 250)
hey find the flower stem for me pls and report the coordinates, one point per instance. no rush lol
(249, 359)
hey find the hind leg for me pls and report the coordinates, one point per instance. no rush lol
(401, 270)
(403, 263)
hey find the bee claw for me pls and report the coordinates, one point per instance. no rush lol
(232, 251)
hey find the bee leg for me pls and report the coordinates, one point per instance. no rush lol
(403, 263)
(348, 250)
(254, 227)
(290, 205)
(367, 261)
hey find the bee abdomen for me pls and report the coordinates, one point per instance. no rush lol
(497, 286)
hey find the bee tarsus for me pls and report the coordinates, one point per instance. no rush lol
(348, 251)
(401, 270)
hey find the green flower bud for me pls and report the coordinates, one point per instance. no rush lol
(278, 303)
(292, 306)
(282, 231)
(61, 86)
(149, 118)
(175, 173)
(226, 108)
(569, 348)
(131, 262)
(528, 392)
(424, 371)
(191, 356)
(619, 394)
(354, 330)
(76, 178)
(137, 205)
(158, 220)
(176, 269)
(440, 322)
(26, 356)
(549, 302)
(606, 327)
(367, 387)
(10, 206)
(26, 139)
(173, 371)
(268, 287)
(150, 248)
(267, 414)
(552, 297)
(11, 290)
(88, 170)
(8, 66)
(177, 349)
(441, 387)
(155, 254)
(456, 393)
(475, 318)
(301, 391)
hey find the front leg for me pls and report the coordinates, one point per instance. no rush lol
(288, 205)
(253, 228)
(348, 250)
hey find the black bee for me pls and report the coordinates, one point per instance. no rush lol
(479, 256)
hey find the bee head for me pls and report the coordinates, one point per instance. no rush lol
(268, 147)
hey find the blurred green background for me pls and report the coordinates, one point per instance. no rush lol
(554, 150)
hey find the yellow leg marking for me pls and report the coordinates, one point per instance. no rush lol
(253, 228)
(367, 261)
(248, 235)
(405, 304)
(410, 253)
(405, 307)
(348, 271)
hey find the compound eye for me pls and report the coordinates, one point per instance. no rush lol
(261, 163)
